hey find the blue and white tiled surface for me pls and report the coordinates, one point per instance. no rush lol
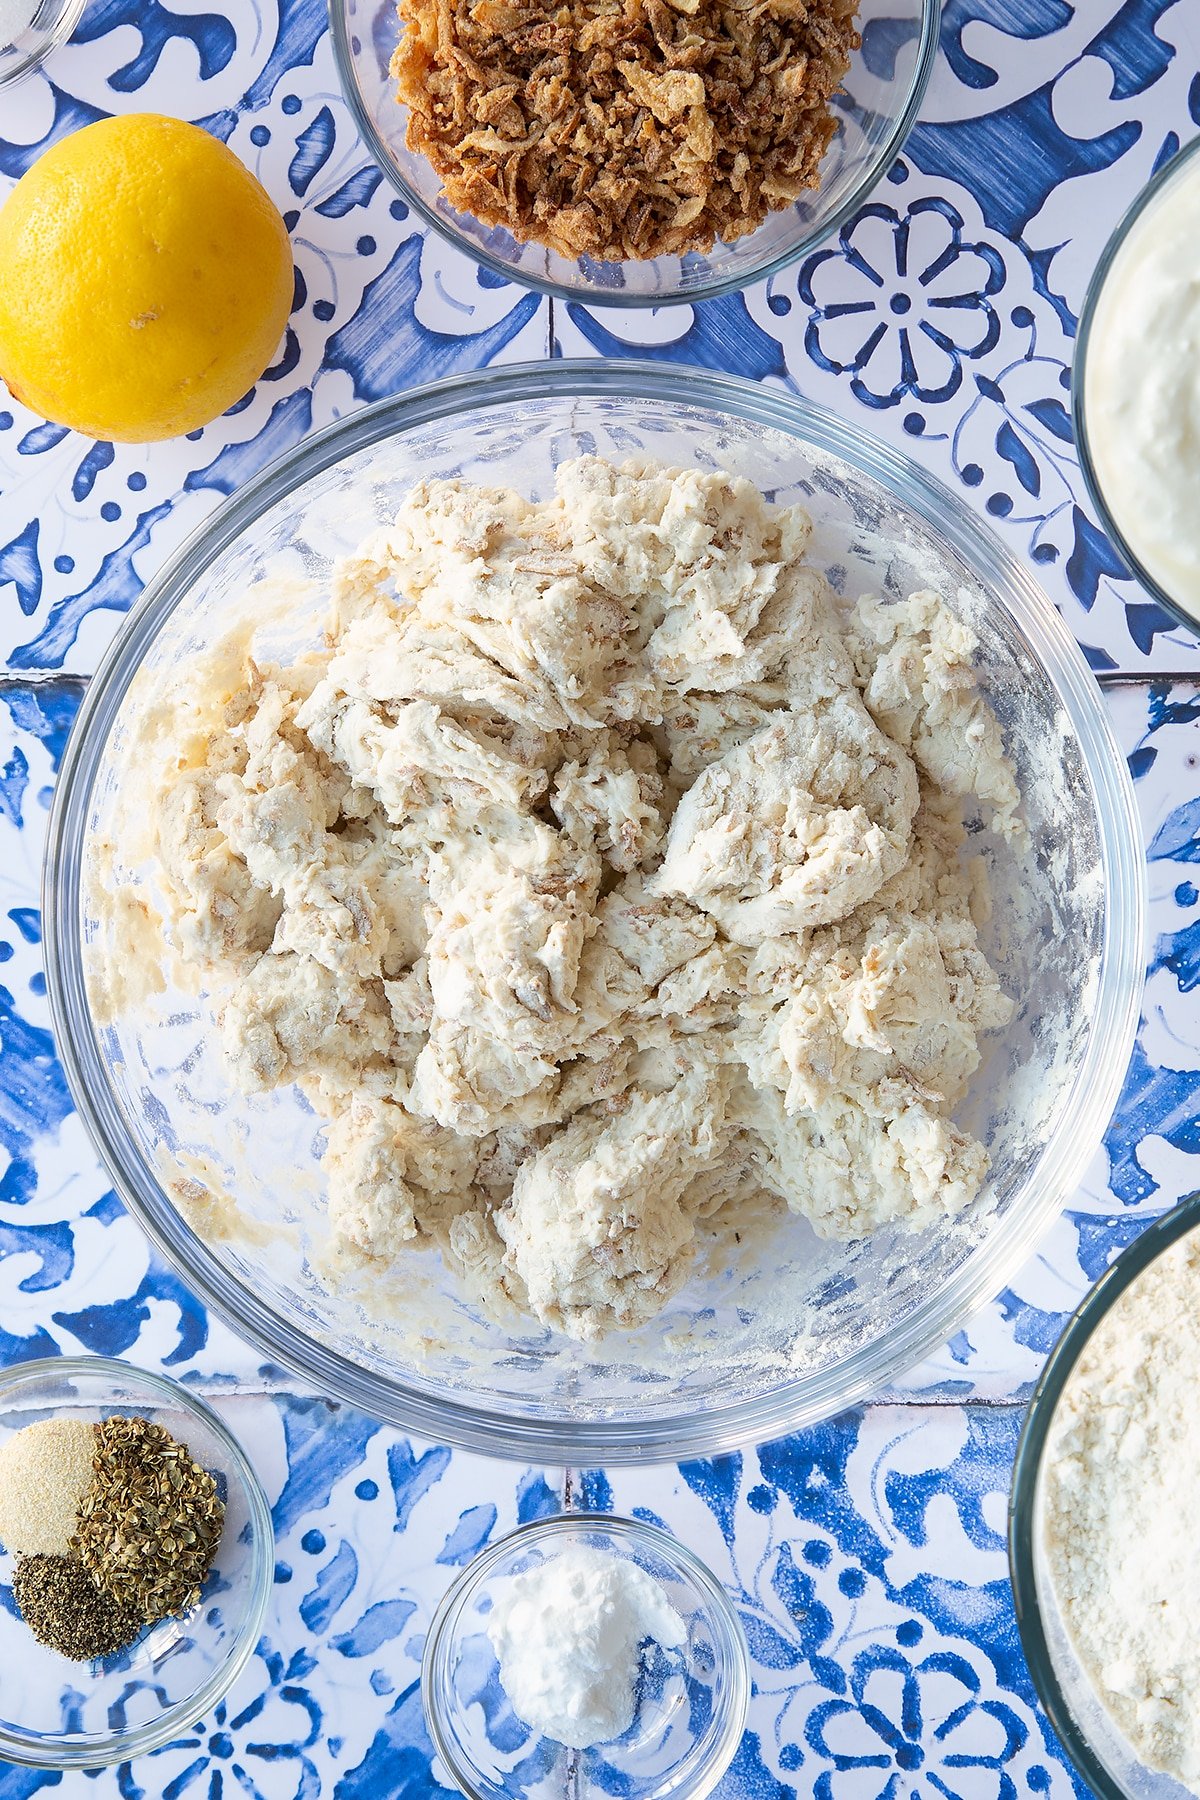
(867, 1555)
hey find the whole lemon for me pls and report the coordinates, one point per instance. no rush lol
(145, 280)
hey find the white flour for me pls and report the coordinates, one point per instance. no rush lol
(1122, 1467)
(568, 1639)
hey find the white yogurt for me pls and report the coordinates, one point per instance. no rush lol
(1142, 388)
(568, 1637)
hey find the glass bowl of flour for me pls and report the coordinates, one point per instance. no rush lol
(1101, 1543)
(780, 1316)
(587, 1650)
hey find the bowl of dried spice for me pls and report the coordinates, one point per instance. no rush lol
(136, 1560)
(633, 153)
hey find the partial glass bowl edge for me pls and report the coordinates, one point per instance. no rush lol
(16, 64)
(1141, 202)
(1023, 1504)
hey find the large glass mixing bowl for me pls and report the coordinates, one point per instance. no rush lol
(769, 1333)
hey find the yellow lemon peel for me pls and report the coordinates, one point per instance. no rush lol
(145, 280)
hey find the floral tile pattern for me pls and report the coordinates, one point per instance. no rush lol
(370, 1531)
(902, 303)
(866, 1558)
(865, 1555)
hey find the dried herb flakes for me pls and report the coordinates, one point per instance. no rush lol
(150, 1522)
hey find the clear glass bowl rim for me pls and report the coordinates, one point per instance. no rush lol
(119, 1746)
(58, 34)
(1108, 256)
(783, 1408)
(569, 1525)
(594, 295)
(1088, 1316)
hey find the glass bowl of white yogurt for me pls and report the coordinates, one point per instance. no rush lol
(1135, 389)
(590, 1653)
(1101, 1534)
(778, 1323)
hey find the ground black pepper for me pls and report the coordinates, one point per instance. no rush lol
(64, 1608)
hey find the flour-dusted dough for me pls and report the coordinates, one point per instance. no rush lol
(595, 874)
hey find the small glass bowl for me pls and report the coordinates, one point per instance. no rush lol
(875, 109)
(1179, 167)
(51, 25)
(57, 1714)
(1101, 1753)
(692, 1702)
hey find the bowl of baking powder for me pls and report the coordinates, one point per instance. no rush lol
(590, 1655)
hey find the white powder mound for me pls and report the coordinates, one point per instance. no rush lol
(1122, 1466)
(568, 1637)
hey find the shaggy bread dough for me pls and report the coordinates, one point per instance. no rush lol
(595, 873)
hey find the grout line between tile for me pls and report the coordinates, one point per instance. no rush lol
(949, 1400)
(1105, 678)
(12, 678)
(213, 1388)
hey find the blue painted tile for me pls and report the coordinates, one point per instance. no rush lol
(866, 1558)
